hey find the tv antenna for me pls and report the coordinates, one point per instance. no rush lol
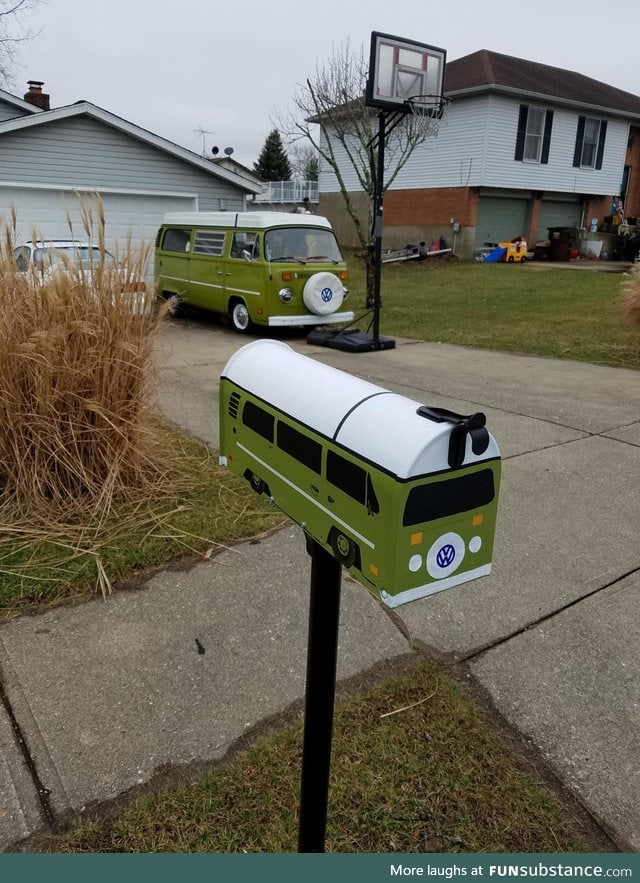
(203, 133)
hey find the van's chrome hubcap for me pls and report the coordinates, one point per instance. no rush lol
(240, 317)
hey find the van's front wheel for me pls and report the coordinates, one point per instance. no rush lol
(240, 318)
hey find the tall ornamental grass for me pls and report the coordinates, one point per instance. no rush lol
(76, 345)
(630, 298)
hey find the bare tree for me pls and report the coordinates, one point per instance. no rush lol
(14, 30)
(329, 111)
(304, 161)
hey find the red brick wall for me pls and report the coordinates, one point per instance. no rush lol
(632, 204)
(535, 209)
(435, 207)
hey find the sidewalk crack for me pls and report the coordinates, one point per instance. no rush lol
(41, 790)
(480, 651)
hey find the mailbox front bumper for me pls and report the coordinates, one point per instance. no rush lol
(431, 588)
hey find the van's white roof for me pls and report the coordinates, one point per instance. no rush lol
(254, 220)
(380, 425)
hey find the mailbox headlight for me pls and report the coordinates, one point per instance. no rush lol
(285, 295)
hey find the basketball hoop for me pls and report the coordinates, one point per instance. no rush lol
(424, 112)
(406, 85)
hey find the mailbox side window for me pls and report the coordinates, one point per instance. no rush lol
(259, 420)
(299, 446)
(352, 479)
(440, 499)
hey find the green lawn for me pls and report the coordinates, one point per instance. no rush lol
(416, 767)
(570, 314)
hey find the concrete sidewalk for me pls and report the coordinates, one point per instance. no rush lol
(103, 695)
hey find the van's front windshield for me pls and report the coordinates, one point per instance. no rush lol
(302, 244)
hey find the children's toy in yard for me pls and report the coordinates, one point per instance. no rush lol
(403, 495)
(511, 252)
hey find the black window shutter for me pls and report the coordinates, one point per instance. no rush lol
(546, 140)
(577, 155)
(522, 131)
(601, 140)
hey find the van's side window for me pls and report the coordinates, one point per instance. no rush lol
(176, 240)
(245, 246)
(209, 242)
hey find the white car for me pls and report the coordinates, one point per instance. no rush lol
(41, 258)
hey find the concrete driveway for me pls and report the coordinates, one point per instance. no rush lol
(554, 634)
(101, 697)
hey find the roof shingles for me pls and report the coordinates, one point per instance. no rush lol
(492, 69)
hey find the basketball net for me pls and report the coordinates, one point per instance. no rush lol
(424, 114)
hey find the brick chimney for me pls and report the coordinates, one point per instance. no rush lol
(36, 96)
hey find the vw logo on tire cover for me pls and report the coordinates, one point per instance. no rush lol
(445, 555)
(323, 293)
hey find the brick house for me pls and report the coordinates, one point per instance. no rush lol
(523, 147)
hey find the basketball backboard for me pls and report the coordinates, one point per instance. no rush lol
(400, 70)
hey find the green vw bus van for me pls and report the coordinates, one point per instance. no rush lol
(259, 268)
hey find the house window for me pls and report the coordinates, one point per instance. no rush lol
(590, 138)
(533, 139)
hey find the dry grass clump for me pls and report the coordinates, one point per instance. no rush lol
(630, 298)
(75, 362)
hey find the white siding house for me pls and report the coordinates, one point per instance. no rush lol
(522, 147)
(48, 158)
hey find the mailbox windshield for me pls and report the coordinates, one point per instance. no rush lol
(439, 499)
(306, 245)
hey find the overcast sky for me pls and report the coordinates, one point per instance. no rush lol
(227, 67)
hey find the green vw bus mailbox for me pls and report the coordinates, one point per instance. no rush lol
(403, 494)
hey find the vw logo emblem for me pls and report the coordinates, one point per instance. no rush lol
(445, 555)
(326, 294)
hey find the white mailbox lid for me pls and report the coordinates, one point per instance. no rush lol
(381, 426)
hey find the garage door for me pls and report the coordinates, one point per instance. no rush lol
(128, 216)
(501, 219)
(559, 213)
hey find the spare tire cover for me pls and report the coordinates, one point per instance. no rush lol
(323, 293)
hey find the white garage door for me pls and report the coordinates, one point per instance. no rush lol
(133, 217)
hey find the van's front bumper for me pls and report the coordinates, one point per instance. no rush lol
(311, 319)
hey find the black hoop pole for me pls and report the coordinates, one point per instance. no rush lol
(322, 655)
(377, 254)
